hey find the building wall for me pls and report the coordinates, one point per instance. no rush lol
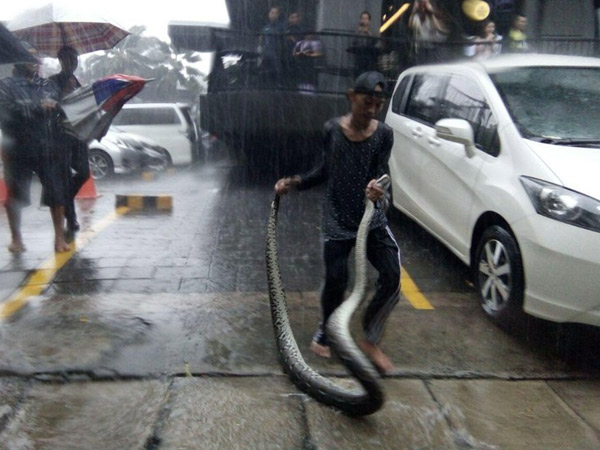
(560, 18)
(345, 14)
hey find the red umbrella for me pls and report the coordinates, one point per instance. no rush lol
(91, 109)
(53, 26)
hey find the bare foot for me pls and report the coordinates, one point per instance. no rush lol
(380, 359)
(61, 246)
(16, 247)
(321, 350)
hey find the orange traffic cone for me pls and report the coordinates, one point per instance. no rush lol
(88, 190)
(3, 192)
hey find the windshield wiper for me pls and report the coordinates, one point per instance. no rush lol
(567, 141)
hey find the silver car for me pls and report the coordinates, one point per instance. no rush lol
(119, 153)
(169, 124)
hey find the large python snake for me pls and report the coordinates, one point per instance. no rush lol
(353, 402)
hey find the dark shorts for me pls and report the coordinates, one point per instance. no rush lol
(18, 174)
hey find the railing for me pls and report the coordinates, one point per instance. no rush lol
(242, 63)
(567, 46)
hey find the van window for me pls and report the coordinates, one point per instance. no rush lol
(424, 97)
(463, 99)
(399, 95)
(147, 116)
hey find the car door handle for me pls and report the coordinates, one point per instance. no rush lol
(417, 132)
(434, 141)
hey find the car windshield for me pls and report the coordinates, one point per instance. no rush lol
(553, 103)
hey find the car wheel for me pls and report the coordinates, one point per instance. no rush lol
(499, 276)
(101, 165)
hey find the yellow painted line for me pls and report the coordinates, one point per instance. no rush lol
(41, 278)
(412, 292)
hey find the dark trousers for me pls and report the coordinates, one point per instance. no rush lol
(383, 253)
(80, 172)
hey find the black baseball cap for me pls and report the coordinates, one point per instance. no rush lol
(367, 82)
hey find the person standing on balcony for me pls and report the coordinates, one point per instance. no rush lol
(487, 43)
(364, 45)
(517, 38)
(271, 49)
(293, 34)
(306, 53)
(430, 30)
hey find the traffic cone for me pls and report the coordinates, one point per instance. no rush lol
(3, 192)
(88, 190)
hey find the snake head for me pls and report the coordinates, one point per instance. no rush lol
(384, 182)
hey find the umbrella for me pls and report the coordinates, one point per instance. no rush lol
(91, 109)
(50, 27)
(11, 49)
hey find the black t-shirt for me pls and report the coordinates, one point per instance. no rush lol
(65, 83)
(347, 167)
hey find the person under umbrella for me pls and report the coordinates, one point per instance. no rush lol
(66, 31)
(77, 150)
(28, 119)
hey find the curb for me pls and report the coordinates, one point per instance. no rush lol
(145, 202)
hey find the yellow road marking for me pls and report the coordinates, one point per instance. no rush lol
(412, 292)
(45, 273)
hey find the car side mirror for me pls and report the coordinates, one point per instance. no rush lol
(457, 130)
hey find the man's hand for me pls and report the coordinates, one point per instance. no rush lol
(284, 185)
(48, 104)
(374, 192)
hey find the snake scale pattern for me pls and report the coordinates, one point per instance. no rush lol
(353, 402)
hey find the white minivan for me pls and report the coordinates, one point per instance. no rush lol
(168, 124)
(500, 161)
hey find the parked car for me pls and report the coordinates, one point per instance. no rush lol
(499, 161)
(121, 152)
(169, 124)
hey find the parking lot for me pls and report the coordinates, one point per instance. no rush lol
(167, 312)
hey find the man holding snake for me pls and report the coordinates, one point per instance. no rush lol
(356, 150)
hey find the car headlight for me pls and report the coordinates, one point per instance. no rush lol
(562, 204)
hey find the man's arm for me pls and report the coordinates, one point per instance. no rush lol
(313, 177)
(301, 182)
(374, 192)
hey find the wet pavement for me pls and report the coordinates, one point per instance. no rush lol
(156, 334)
